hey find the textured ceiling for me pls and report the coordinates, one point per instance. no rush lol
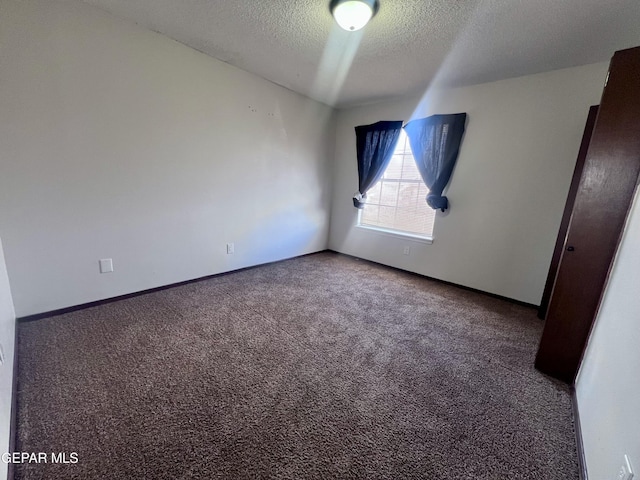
(409, 44)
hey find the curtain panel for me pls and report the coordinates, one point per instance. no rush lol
(435, 144)
(375, 145)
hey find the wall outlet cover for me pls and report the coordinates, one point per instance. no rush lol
(106, 265)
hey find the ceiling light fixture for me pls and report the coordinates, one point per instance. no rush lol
(352, 15)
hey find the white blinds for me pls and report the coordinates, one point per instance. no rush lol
(397, 201)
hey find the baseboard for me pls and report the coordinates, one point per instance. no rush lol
(82, 306)
(445, 282)
(582, 461)
(61, 311)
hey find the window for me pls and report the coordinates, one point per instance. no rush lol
(397, 202)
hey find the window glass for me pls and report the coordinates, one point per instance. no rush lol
(397, 202)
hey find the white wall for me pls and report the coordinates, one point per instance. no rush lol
(119, 142)
(507, 192)
(608, 386)
(7, 337)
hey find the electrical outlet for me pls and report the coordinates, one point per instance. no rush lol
(1, 355)
(230, 248)
(407, 251)
(626, 472)
(106, 265)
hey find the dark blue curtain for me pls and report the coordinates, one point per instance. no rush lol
(435, 143)
(375, 145)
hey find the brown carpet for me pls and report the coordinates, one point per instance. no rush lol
(320, 367)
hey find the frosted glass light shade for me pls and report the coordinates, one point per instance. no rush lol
(352, 15)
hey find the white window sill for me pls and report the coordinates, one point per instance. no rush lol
(397, 234)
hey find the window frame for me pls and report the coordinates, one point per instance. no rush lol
(415, 237)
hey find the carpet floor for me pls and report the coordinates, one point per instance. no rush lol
(319, 367)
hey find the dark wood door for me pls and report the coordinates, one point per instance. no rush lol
(601, 206)
(568, 211)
